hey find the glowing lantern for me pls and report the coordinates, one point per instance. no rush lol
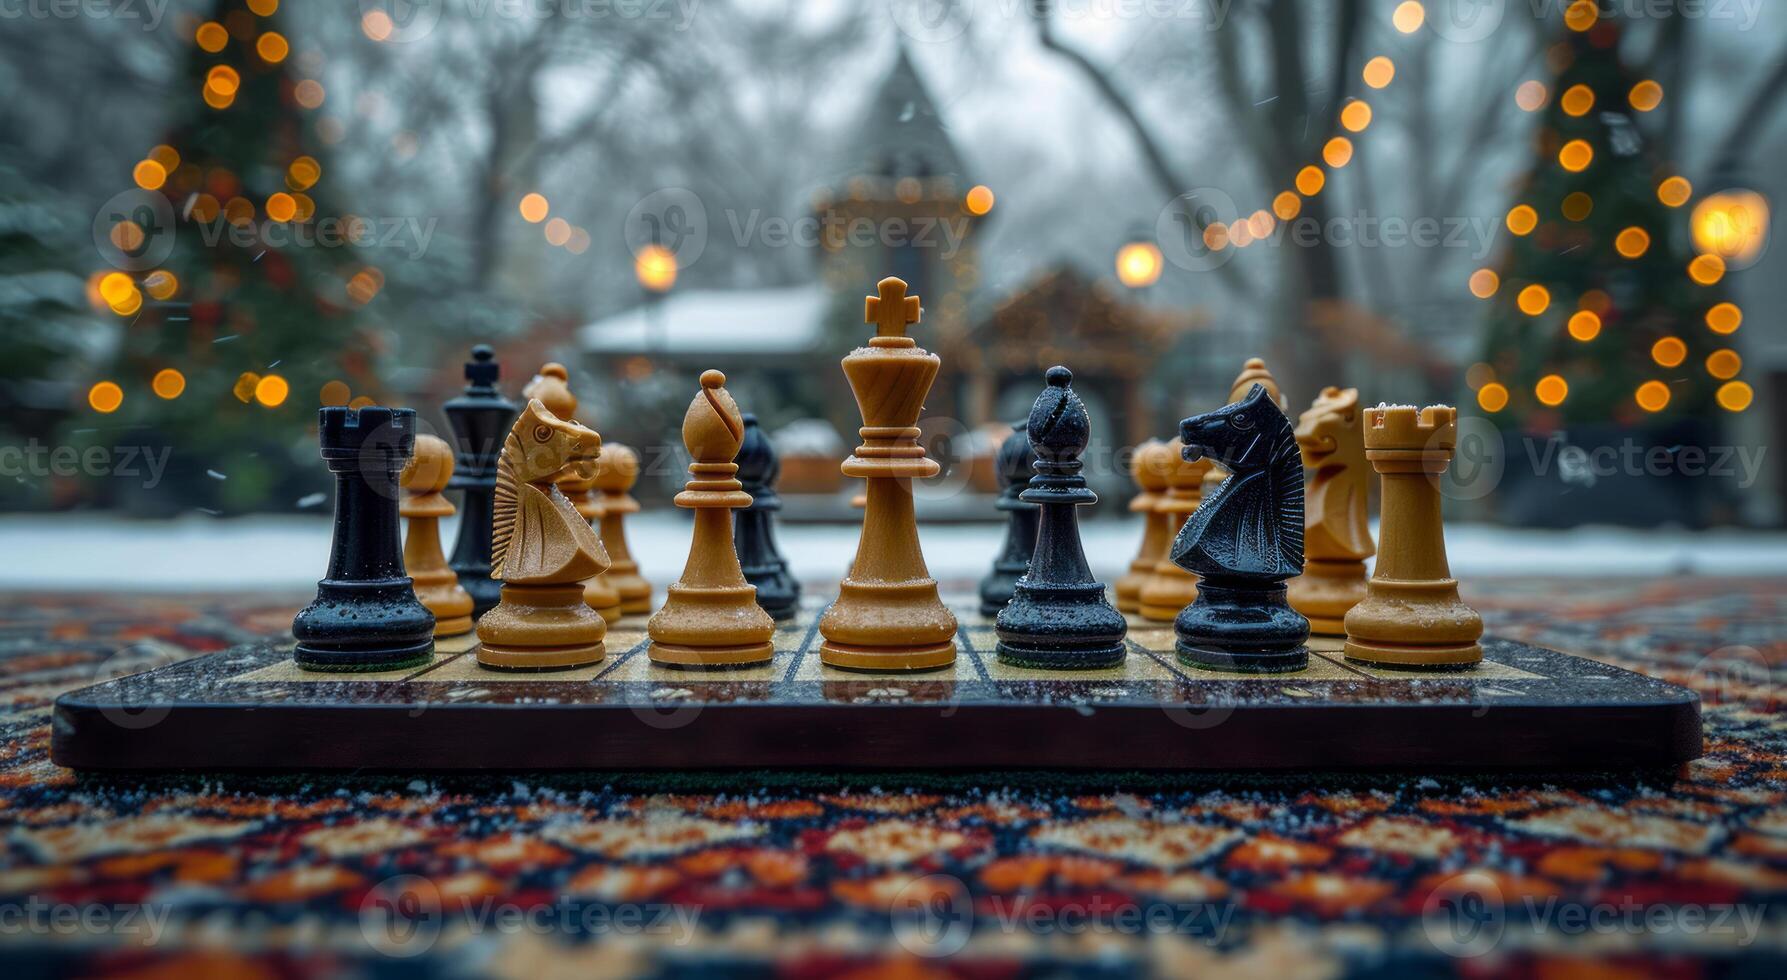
(655, 268)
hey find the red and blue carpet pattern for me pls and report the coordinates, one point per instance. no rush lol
(1671, 873)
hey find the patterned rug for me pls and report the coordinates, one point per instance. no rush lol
(535, 876)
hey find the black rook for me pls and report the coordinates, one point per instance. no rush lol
(365, 615)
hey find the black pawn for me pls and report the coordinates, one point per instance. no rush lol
(753, 528)
(365, 615)
(1058, 617)
(1020, 522)
(480, 419)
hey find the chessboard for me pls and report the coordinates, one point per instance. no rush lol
(251, 707)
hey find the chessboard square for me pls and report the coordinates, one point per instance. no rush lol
(1325, 644)
(1487, 670)
(467, 668)
(1137, 666)
(445, 645)
(790, 640)
(287, 669)
(1153, 637)
(638, 668)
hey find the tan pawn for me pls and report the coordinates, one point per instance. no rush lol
(579, 486)
(1411, 615)
(1253, 371)
(1156, 536)
(437, 587)
(543, 551)
(888, 615)
(617, 469)
(1337, 530)
(1172, 588)
(710, 616)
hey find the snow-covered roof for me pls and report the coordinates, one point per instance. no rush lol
(714, 321)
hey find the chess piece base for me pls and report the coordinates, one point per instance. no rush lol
(1169, 590)
(541, 627)
(363, 660)
(1414, 657)
(599, 594)
(1325, 592)
(1129, 587)
(1243, 663)
(712, 625)
(363, 625)
(1061, 628)
(887, 660)
(888, 626)
(1249, 629)
(451, 605)
(674, 655)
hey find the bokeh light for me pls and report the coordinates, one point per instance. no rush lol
(1735, 396)
(1492, 397)
(1585, 325)
(1522, 219)
(1675, 191)
(1138, 264)
(1379, 72)
(1534, 300)
(1724, 318)
(655, 268)
(271, 391)
(534, 208)
(1310, 181)
(1652, 396)
(105, 397)
(168, 383)
(1669, 352)
(1409, 16)
(1646, 95)
(1632, 242)
(1551, 390)
(1484, 283)
(1576, 155)
(978, 200)
(1724, 364)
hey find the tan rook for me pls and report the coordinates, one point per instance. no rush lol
(1337, 530)
(888, 615)
(1411, 615)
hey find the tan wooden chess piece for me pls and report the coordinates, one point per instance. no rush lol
(1253, 371)
(710, 616)
(617, 469)
(579, 486)
(1337, 529)
(888, 615)
(552, 386)
(1411, 615)
(1157, 537)
(1171, 588)
(436, 585)
(543, 551)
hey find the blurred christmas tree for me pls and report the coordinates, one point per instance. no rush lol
(43, 304)
(242, 299)
(1602, 311)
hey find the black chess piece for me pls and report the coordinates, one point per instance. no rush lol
(1244, 541)
(365, 615)
(753, 528)
(1013, 465)
(1058, 616)
(480, 419)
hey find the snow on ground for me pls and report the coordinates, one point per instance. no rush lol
(80, 551)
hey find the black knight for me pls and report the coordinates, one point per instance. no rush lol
(1243, 542)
